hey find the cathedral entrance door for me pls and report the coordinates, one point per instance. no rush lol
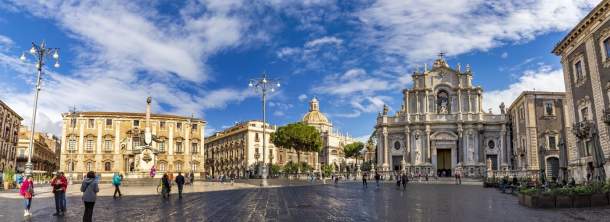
(396, 163)
(443, 162)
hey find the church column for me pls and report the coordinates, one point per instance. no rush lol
(503, 145)
(459, 101)
(407, 155)
(417, 100)
(469, 103)
(386, 152)
(426, 106)
(460, 148)
(429, 149)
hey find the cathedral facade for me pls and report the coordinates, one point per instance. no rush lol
(441, 128)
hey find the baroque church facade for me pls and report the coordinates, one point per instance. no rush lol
(441, 127)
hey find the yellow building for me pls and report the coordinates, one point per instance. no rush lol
(43, 158)
(238, 151)
(109, 142)
(9, 133)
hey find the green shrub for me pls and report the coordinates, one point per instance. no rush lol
(327, 170)
(529, 191)
(583, 190)
(565, 191)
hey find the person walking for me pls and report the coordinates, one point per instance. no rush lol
(180, 183)
(364, 176)
(89, 187)
(398, 180)
(165, 186)
(27, 191)
(116, 182)
(404, 179)
(59, 183)
(377, 178)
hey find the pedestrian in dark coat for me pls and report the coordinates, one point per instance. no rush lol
(404, 179)
(89, 189)
(180, 183)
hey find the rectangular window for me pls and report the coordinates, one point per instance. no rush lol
(178, 147)
(91, 123)
(549, 109)
(161, 146)
(89, 145)
(108, 145)
(72, 145)
(136, 123)
(552, 142)
(89, 166)
(178, 167)
(578, 70)
(136, 142)
(108, 123)
(588, 148)
(194, 148)
(73, 122)
(162, 124)
(194, 127)
(179, 125)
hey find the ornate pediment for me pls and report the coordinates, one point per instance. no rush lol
(443, 136)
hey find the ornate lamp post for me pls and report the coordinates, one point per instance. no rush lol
(263, 86)
(40, 53)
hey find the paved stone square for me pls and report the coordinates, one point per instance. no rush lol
(342, 202)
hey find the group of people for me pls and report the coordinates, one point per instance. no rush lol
(59, 186)
(166, 184)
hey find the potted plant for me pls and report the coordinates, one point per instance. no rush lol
(9, 174)
(563, 197)
(598, 196)
(528, 197)
(582, 196)
(546, 199)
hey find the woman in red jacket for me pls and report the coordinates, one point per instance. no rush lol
(27, 191)
(59, 185)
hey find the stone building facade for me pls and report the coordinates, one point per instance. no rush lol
(109, 142)
(10, 122)
(538, 128)
(441, 127)
(238, 151)
(585, 57)
(332, 140)
(44, 159)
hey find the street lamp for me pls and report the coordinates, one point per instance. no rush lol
(263, 86)
(40, 53)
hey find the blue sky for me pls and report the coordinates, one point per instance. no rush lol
(196, 57)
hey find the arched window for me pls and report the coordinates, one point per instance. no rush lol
(89, 166)
(162, 167)
(397, 145)
(107, 166)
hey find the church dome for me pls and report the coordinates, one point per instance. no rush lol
(314, 115)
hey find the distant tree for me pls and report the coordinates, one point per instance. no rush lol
(291, 167)
(327, 170)
(353, 150)
(275, 169)
(298, 136)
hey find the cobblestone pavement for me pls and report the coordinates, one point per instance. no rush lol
(343, 202)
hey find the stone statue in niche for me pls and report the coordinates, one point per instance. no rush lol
(443, 102)
(385, 110)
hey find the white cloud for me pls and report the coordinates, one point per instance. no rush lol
(542, 79)
(118, 41)
(417, 30)
(504, 55)
(323, 41)
(302, 97)
(357, 80)
(5, 43)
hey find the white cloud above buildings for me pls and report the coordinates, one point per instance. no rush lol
(543, 79)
